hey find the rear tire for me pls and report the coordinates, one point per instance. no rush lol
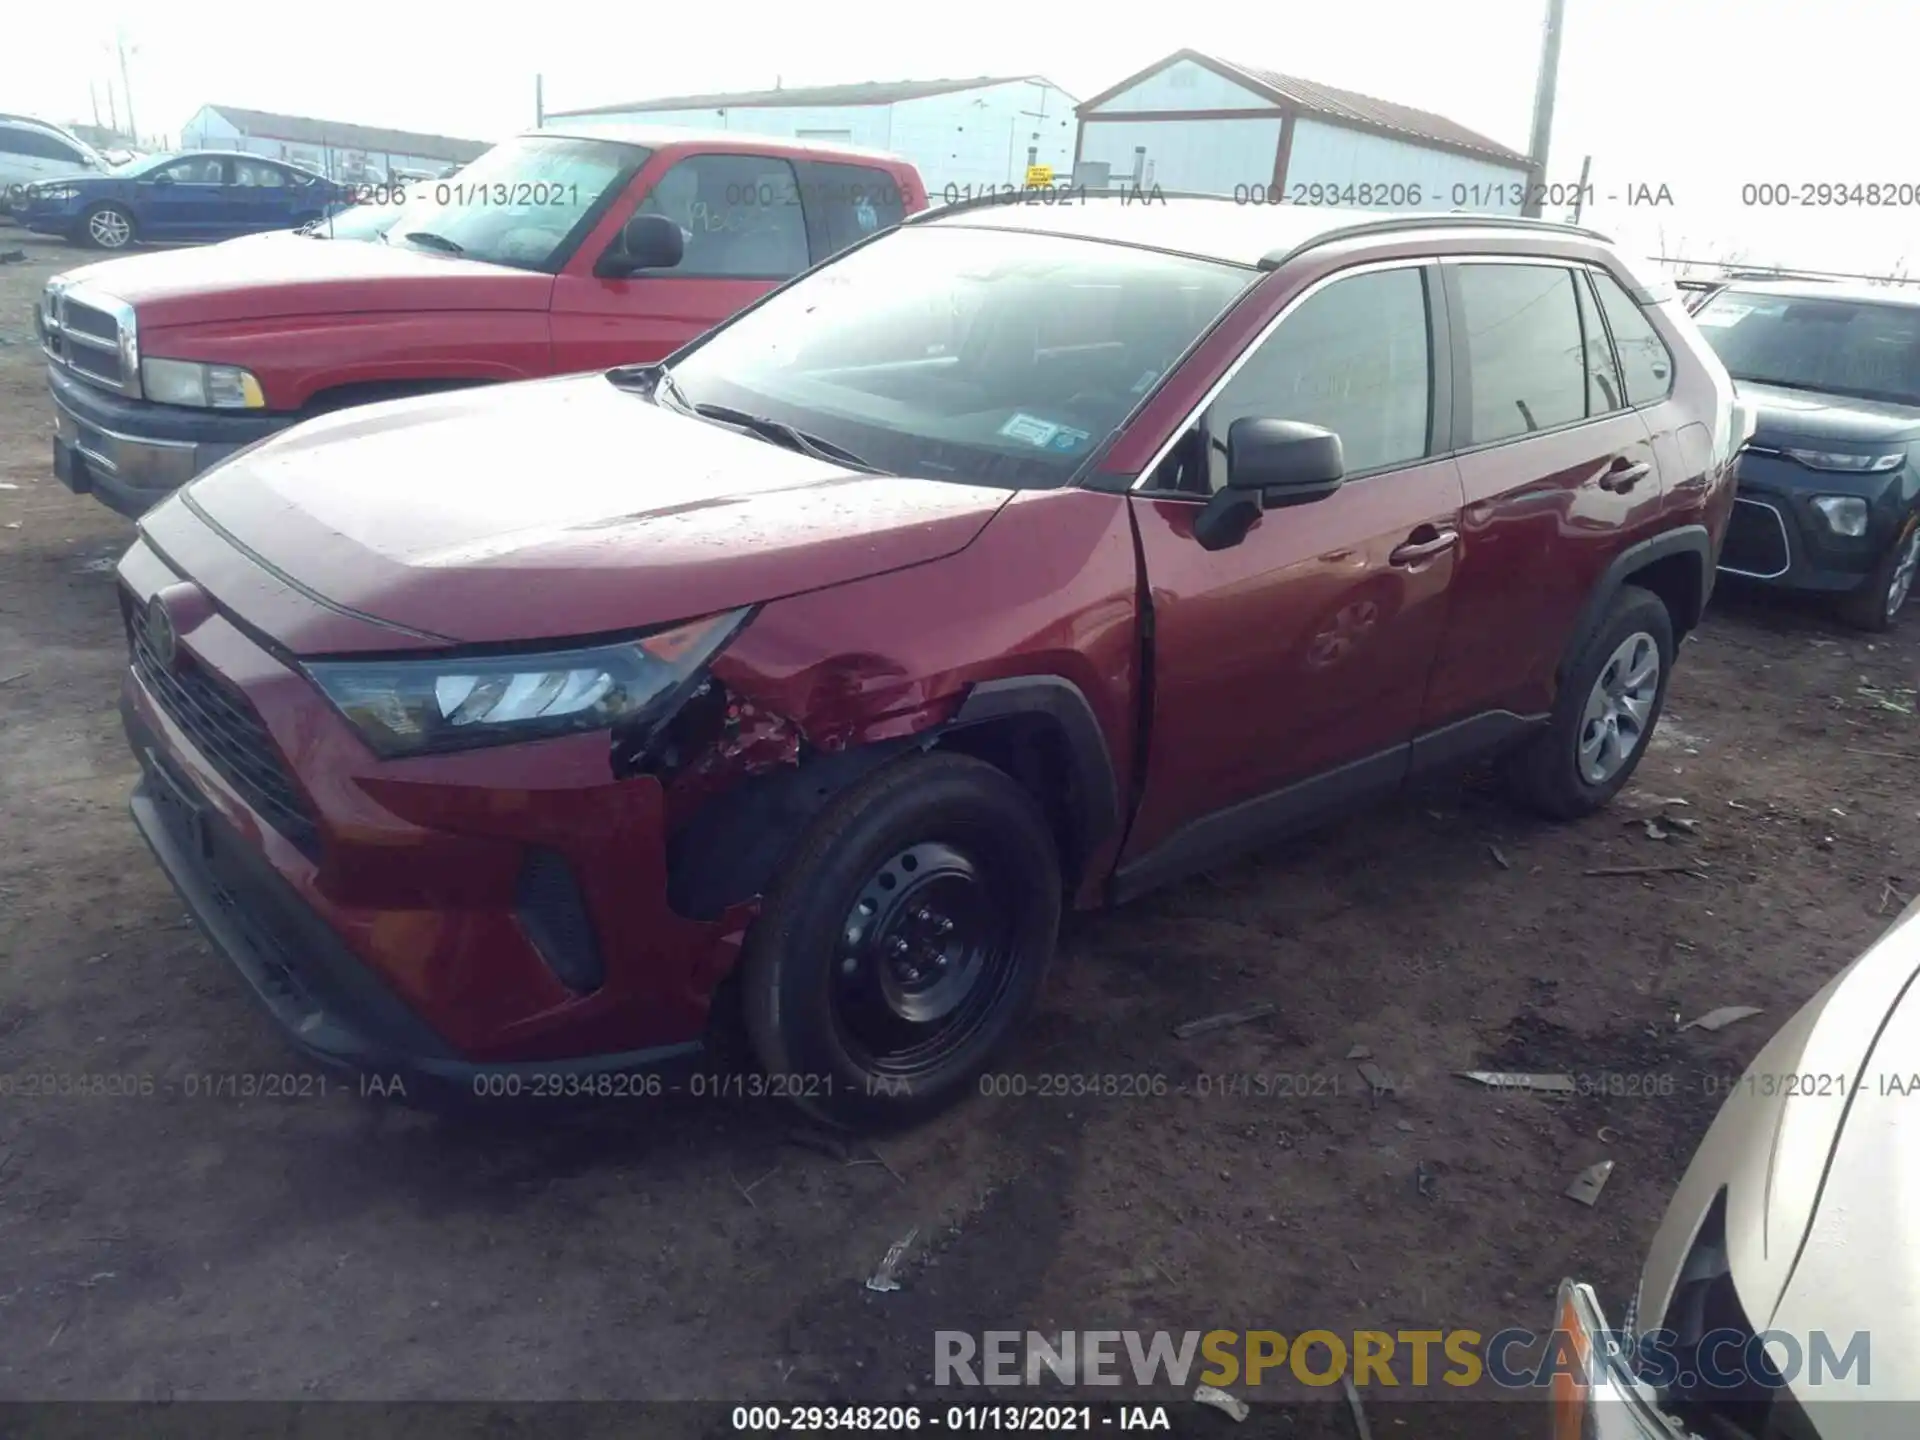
(1604, 716)
(106, 227)
(904, 939)
(1888, 592)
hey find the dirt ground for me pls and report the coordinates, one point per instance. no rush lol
(195, 1248)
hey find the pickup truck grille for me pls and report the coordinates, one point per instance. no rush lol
(225, 729)
(86, 340)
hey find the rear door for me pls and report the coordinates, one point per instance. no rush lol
(745, 231)
(1289, 670)
(260, 198)
(1560, 474)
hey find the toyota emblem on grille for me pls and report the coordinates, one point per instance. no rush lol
(162, 642)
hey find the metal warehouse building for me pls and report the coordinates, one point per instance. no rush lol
(963, 135)
(351, 153)
(1195, 122)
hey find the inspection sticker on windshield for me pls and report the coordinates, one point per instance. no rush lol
(1722, 312)
(1031, 429)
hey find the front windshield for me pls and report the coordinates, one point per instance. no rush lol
(1000, 357)
(1837, 347)
(524, 203)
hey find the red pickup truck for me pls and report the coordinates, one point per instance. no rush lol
(536, 259)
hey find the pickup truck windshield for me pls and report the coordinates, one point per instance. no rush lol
(1836, 347)
(524, 203)
(998, 357)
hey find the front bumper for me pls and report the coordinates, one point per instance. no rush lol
(132, 454)
(399, 929)
(1777, 537)
(1606, 1402)
(49, 217)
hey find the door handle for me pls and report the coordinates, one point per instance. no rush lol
(1419, 546)
(1624, 475)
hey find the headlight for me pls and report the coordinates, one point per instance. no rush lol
(188, 382)
(413, 707)
(1829, 460)
(1846, 514)
(54, 192)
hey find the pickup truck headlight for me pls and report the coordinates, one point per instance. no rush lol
(188, 382)
(417, 707)
(1831, 460)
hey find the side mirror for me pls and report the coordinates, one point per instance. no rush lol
(163, 178)
(647, 242)
(1271, 464)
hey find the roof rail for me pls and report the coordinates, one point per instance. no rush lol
(1434, 220)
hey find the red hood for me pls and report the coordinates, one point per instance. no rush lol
(562, 508)
(240, 280)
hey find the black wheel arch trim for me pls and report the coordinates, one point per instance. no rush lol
(1690, 540)
(1055, 701)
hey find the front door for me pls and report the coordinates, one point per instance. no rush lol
(260, 198)
(184, 200)
(745, 233)
(1289, 670)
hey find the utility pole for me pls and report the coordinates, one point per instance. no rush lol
(539, 100)
(1543, 89)
(1580, 193)
(126, 85)
(93, 94)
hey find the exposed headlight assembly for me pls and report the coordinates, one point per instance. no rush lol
(418, 707)
(1833, 460)
(188, 382)
(53, 192)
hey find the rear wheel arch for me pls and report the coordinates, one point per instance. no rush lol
(1676, 565)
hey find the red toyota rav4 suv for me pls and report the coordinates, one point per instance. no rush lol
(161, 364)
(1021, 557)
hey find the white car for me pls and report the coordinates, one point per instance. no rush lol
(1781, 1295)
(33, 150)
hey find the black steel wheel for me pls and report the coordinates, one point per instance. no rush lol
(903, 941)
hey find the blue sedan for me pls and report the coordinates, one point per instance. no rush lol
(196, 195)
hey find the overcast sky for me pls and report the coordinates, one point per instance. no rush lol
(1697, 95)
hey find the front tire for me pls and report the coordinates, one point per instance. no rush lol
(903, 941)
(107, 227)
(1889, 590)
(1604, 716)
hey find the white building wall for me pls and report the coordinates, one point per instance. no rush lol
(970, 140)
(1335, 155)
(1215, 157)
(960, 142)
(860, 124)
(1186, 86)
(210, 130)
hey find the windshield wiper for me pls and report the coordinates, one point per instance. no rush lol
(431, 241)
(657, 382)
(782, 433)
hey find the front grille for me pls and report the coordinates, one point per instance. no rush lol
(86, 339)
(1756, 542)
(224, 729)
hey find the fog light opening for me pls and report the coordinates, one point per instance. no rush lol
(1844, 514)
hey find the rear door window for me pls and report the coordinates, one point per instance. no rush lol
(1645, 362)
(1524, 355)
(1605, 392)
(851, 202)
(740, 216)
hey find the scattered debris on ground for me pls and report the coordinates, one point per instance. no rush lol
(1721, 1018)
(1221, 1400)
(1222, 1021)
(882, 1278)
(1513, 1080)
(1588, 1184)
